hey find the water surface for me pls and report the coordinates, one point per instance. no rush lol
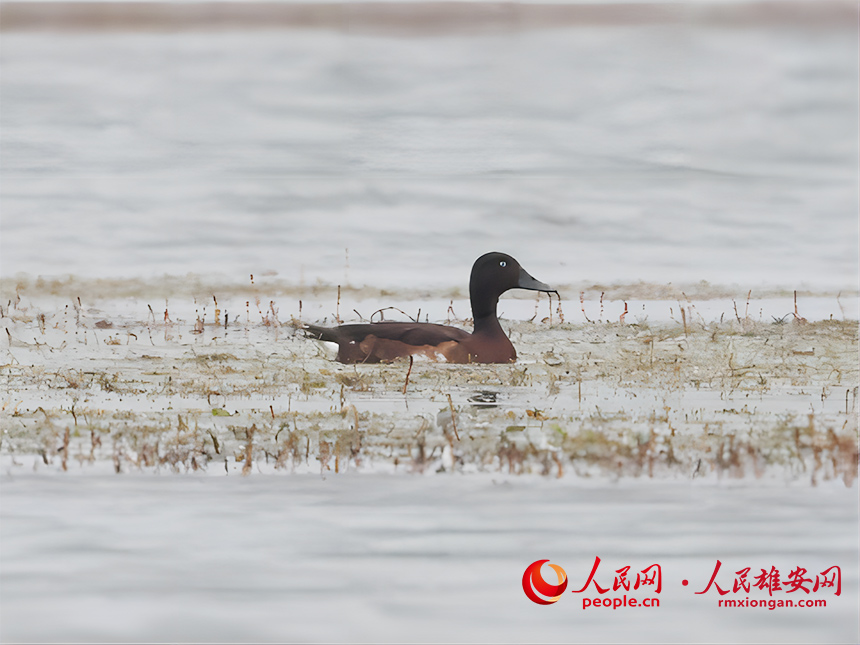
(664, 152)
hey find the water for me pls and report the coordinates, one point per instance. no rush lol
(666, 153)
(393, 559)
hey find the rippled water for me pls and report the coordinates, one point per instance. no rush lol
(661, 152)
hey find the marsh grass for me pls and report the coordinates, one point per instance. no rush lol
(738, 397)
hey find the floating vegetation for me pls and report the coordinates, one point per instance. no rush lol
(116, 384)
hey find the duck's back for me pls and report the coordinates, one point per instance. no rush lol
(385, 341)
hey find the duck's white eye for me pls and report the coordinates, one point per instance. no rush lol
(503, 263)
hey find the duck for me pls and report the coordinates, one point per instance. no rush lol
(492, 275)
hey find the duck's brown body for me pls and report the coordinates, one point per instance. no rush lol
(492, 275)
(387, 341)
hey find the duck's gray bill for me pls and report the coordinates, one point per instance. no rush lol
(528, 282)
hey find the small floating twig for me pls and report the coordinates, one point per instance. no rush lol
(382, 316)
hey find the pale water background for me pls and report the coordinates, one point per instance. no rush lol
(408, 559)
(665, 153)
(659, 152)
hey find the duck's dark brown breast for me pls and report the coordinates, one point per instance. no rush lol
(480, 348)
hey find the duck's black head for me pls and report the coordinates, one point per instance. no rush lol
(492, 275)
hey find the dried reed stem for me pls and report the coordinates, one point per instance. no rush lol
(582, 304)
(246, 469)
(453, 419)
(66, 448)
(408, 372)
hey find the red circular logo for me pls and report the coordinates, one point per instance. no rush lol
(534, 584)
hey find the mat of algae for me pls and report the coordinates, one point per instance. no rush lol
(115, 383)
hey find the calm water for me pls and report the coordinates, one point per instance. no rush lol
(664, 153)
(400, 559)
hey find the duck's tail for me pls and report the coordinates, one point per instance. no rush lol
(320, 333)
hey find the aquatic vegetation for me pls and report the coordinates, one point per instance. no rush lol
(113, 383)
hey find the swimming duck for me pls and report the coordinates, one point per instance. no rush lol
(492, 275)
